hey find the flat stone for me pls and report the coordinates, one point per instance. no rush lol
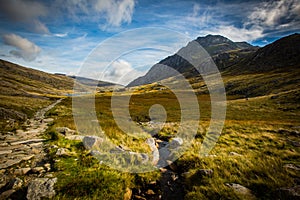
(22, 171)
(75, 137)
(38, 170)
(63, 152)
(27, 141)
(5, 152)
(289, 193)
(4, 144)
(47, 120)
(27, 157)
(10, 163)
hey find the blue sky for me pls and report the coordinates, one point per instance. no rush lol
(59, 35)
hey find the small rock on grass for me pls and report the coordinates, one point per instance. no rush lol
(241, 190)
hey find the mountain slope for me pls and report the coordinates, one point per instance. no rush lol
(223, 51)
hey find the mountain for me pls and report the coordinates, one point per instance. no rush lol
(282, 54)
(24, 90)
(223, 51)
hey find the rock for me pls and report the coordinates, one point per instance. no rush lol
(5, 152)
(27, 157)
(176, 142)
(16, 183)
(155, 152)
(128, 194)
(117, 150)
(10, 163)
(65, 131)
(205, 172)
(292, 166)
(289, 193)
(6, 194)
(150, 192)
(28, 141)
(41, 188)
(232, 153)
(241, 190)
(47, 166)
(90, 142)
(48, 120)
(22, 171)
(75, 137)
(63, 152)
(38, 170)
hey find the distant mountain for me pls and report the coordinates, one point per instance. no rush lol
(223, 51)
(92, 82)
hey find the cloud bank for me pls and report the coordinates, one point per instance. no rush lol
(24, 48)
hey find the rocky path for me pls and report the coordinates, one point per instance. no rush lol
(22, 153)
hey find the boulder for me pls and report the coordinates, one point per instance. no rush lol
(90, 142)
(289, 193)
(155, 152)
(176, 142)
(41, 188)
(241, 190)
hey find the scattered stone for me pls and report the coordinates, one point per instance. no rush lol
(27, 157)
(47, 166)
(63, 152)
(232, 153)
(241, 190)
(117, 150)
(4, 144)
(48, 120)
(176, 142)
(150, 192)
(289, 193)
(41, 188)
(6, 194)
(206, 172)
(90, 142)
(21, 171)
(38, 170)
(65, 131)
(75, 137)
(292, 166)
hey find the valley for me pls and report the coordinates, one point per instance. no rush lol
(257, 155)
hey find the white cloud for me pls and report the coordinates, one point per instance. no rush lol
(274, 13)
(27, 12)
(24, 48)
(116, 12)
(113, 12)
(121, 72)
(236, 34)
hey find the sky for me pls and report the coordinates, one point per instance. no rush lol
(63, 36)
